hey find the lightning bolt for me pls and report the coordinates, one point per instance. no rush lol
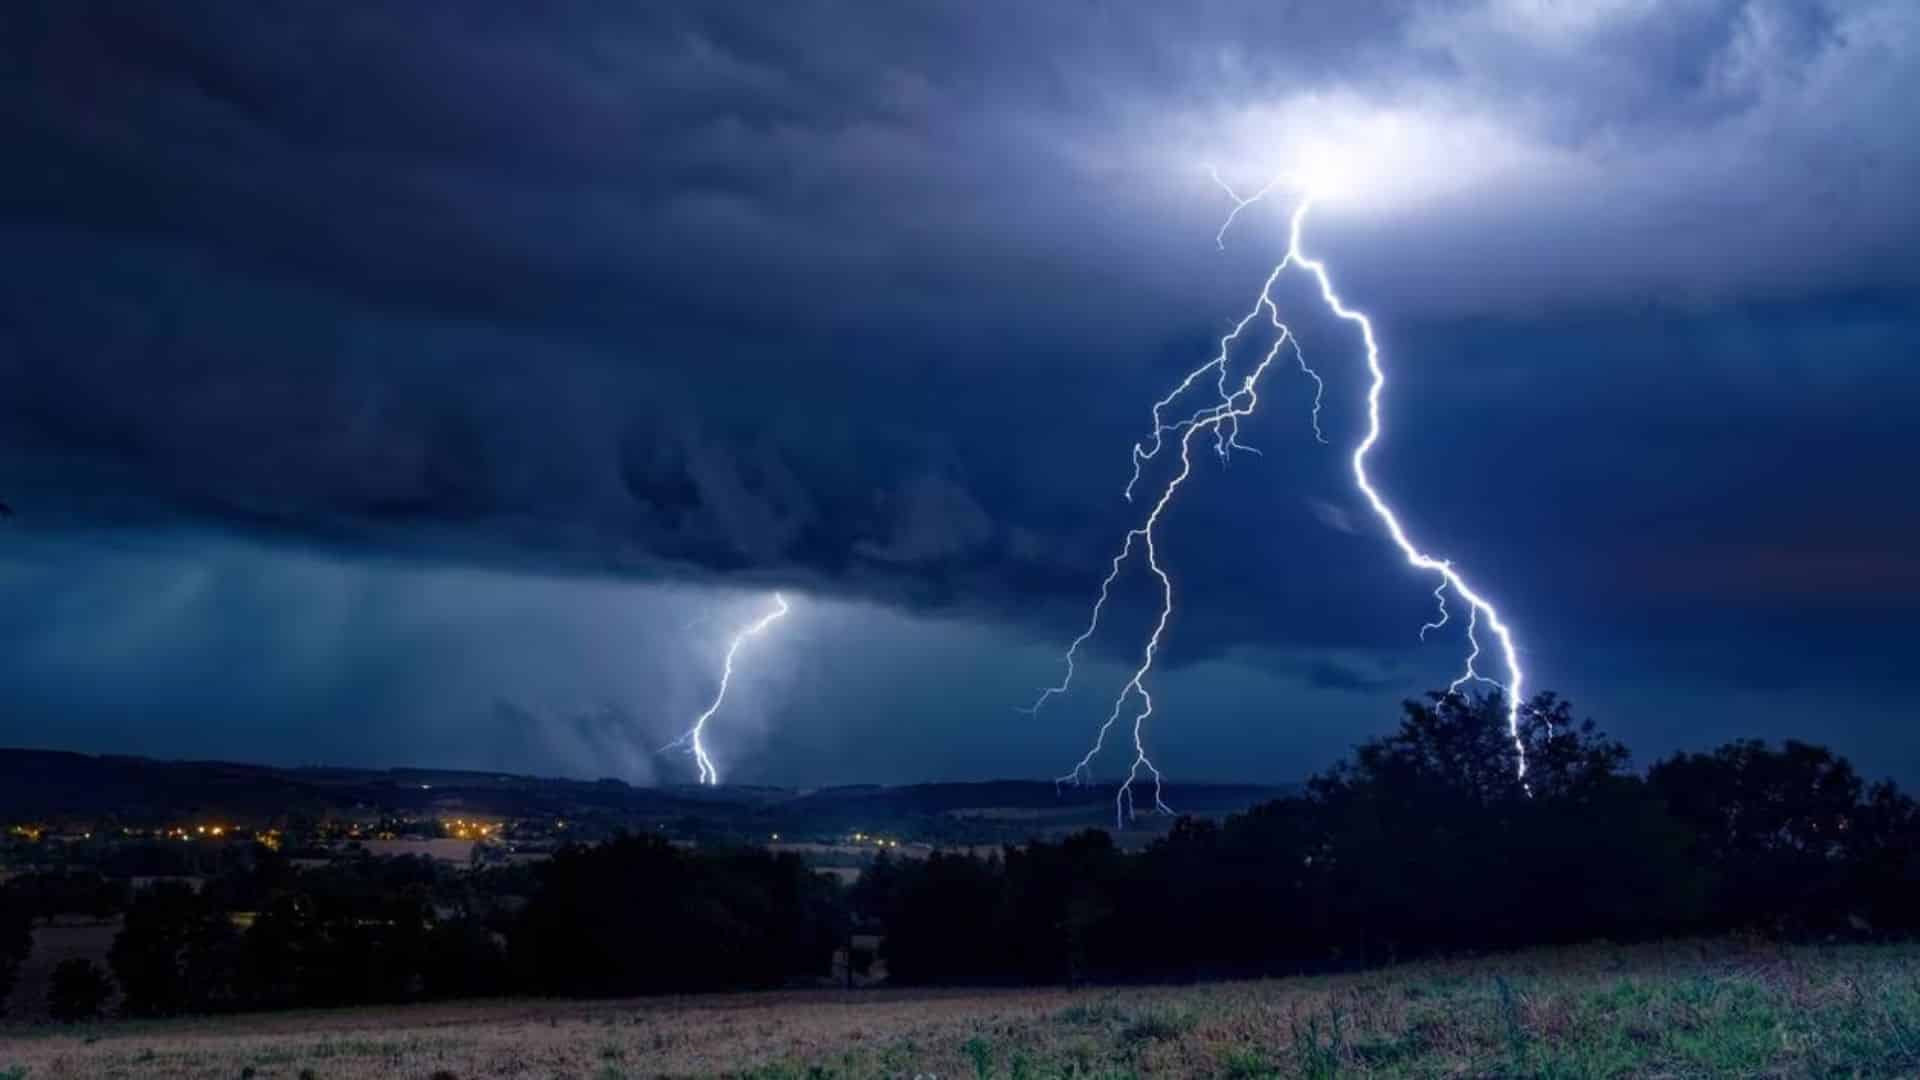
(692, 739)
(1479, 607)
(1221, 419)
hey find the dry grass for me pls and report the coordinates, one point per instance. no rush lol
(1678, 1010)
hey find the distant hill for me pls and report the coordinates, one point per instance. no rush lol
(49, 784)
(56, 786)
(960, 798)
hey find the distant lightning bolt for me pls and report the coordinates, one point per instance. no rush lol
(1221, 419)
(692, 739)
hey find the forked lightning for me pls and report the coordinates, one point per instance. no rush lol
(1221, 419)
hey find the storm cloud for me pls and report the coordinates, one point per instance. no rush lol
(869, 302)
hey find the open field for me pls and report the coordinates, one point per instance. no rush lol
(1675, 1010)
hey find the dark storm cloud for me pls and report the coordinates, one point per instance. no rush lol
(870, 299)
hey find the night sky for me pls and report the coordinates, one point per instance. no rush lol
(442, 383)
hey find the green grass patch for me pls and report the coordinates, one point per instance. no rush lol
(1693, 1009)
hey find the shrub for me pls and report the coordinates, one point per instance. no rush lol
(79, 990)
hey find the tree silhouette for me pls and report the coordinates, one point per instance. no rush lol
(1794, 839)
(1424, 839)
(638, 915)
(176, 952)
(78, 991)
(16, 944)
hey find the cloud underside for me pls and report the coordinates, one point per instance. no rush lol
(874, 306)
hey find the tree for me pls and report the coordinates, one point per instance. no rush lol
(946, 923)
(637, 915)
(1781, 830)
(341, 935)
(1885, 871)
(463, 959)
(48, 893)
(1434, 840)
(1057, 905)
(16, 943)
(177, 952)
(79, 990)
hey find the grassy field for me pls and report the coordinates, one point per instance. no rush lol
(1675, 1010)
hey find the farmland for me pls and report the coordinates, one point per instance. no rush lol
(1702, 1008)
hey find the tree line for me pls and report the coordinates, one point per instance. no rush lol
(636, 914)
(1428, 840)
(1421, 841)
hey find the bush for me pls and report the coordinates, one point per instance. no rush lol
(79, 990)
